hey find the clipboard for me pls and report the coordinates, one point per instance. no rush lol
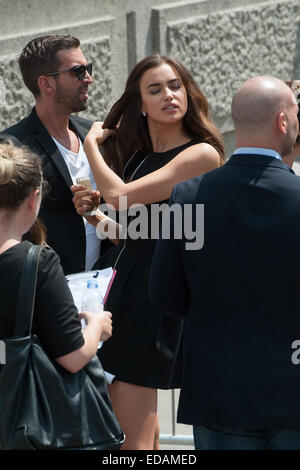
(77, 284)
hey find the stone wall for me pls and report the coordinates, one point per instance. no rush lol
(222, 42)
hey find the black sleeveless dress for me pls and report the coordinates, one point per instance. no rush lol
(145, 347)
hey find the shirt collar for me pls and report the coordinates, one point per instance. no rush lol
(257, 151)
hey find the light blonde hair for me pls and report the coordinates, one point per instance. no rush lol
(20, 174)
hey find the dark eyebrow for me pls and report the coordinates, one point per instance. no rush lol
(169, 82)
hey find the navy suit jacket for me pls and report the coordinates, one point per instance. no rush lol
(239, 295)
(65, 228)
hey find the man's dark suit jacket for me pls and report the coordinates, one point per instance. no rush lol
(240, 296)
(65, 228)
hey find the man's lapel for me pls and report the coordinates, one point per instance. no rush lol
(80, 129)
(45, 141)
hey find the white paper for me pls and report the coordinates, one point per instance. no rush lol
(77, 284)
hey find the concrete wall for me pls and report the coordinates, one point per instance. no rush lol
(222, 42)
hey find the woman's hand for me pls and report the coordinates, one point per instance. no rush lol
(98, 328)
(84, 200)
(102, 320)
(98, 134)
(106, 322)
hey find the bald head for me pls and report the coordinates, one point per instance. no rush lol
(258, 101)
(256, 107)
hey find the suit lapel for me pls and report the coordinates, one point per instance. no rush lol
(56, 157)
(45, 141)
(80, 130)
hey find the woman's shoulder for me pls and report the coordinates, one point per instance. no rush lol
(48, 258)
(49, 261)
(201, 146)
(203, 150)
(13, 260)
(47, 254)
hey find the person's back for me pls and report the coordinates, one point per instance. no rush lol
(29, 415)
(57, 322)
(241, 322)
(239, 292)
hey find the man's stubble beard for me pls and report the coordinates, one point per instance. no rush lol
(73, 103)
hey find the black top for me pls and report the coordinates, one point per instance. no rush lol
(145, 343)
(55, 318)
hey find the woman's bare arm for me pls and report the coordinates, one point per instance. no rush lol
(154, 187)
(99, 327)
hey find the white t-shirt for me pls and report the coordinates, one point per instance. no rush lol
(78, 165)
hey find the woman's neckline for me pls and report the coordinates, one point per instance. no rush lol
(174, 148)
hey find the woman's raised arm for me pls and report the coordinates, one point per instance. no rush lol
(154, 187)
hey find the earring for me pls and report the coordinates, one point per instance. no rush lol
(144, 114)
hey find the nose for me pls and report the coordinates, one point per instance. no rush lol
(88, 78)
(168, 95)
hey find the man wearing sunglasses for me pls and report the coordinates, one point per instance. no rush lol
(56, 72)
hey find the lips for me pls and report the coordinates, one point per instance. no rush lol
(84, 92)
(170, 107)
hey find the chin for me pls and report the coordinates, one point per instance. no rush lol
(80, 107)
(175, 117)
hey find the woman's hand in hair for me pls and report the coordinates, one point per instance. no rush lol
(98, 134)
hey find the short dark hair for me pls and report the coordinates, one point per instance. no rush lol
(39, 58)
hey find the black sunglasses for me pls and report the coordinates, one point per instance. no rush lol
(79, 70)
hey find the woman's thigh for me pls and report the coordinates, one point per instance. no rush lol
(136, 410)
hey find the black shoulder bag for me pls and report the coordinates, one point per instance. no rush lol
(42, 405)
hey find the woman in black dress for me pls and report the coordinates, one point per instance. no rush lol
(157, 134)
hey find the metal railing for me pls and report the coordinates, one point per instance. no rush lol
(173, 438)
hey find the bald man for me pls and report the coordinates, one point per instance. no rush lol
(239, 293)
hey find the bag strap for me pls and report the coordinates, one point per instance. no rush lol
(26, 295)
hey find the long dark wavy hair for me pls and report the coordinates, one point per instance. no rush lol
(133, 133)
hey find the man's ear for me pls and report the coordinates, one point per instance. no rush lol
(46, 84)
(282, 122)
